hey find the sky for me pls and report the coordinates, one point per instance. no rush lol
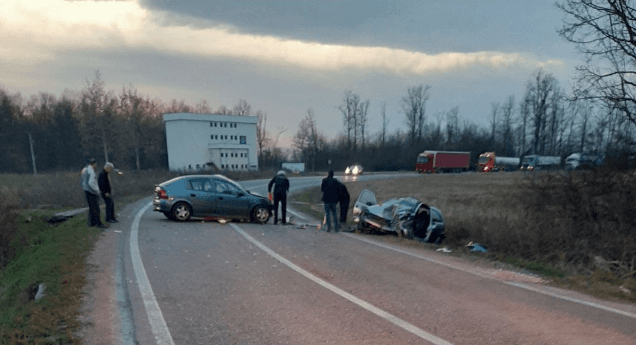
(284, 57)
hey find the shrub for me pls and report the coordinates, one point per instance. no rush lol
(9, 212)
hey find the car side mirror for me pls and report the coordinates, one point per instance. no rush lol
(240, 194)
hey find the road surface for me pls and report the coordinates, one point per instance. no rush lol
(202, 282)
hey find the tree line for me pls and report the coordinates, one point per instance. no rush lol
(47, 133)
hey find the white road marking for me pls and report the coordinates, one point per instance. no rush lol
(155, 317)
(296, 214)
(377, 311)
(488, 276)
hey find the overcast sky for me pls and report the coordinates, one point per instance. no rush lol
(284, 57)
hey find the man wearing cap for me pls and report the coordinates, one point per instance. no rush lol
(281, 188)
(91, 190)
(107, 192)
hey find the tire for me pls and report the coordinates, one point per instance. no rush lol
(260, 215)
(181, 212)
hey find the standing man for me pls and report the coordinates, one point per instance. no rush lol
(329, 190)
(91, 189)
(343, 200)
(281, 188)
(107, 192)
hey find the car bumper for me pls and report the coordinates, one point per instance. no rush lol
(160, 205)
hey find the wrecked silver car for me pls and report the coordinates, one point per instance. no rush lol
(407, 217)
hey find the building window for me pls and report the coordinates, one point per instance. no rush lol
(197, 166)
(212, 136)
(243, 140)
(189, 166)
(211, 124)
(216, 137)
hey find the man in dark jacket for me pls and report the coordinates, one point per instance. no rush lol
(107, 192)
(343, 200)
(329, 190)
(281, 188)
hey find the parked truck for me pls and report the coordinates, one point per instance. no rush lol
(442, 161)
(537, 162)
(578, 161)
(295, 168)
(489, 162)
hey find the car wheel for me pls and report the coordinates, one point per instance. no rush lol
(260, 215)
(181, 212)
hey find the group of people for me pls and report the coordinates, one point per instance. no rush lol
(95, 185)
(333, 193)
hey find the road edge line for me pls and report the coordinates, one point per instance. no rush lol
(155, 317)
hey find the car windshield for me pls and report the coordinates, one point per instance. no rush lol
(484, 159)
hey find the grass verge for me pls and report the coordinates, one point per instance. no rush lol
(49, 255)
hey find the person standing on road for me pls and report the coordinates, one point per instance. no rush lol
(107, 192)
(343, 200)
(329, 190)
(91, 190)
(281, 188)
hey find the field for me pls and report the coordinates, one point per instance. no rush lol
(574, 228)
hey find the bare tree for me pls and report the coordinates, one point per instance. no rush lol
(493, 121)
(414, 107)
(452, 125)
(538, 95)
(507, 114)
(242, 108)
(96, 103)
(605, 32)
(261, 132)
(385, 124)
(362, 121)
(202, 107)
(350, 108)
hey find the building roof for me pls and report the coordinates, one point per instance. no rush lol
(209, 117)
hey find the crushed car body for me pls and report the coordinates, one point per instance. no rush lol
(406, 216)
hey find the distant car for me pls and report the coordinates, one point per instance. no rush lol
(407, 217)
(353, 170)
(209, 196)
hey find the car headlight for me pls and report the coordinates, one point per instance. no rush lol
(347, 170)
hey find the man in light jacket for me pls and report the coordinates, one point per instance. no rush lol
(91, 190)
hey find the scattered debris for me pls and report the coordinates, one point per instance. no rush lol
(625, 290)
(29, 219)
(117, 231)
(476, 247)
(57, 219)
(444, 250)
(40, 293)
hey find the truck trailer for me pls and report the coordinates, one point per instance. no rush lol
(536, 162)
(442, 161)
(489, 162)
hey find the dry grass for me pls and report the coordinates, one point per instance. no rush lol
(581, 223)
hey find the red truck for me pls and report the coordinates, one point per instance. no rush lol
(442, 161)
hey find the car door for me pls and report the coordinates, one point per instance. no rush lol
(232, 202)
(200, 196)
(365, 199)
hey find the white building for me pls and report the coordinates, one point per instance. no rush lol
(198, 141)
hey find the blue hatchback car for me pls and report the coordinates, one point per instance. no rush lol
(209, 196)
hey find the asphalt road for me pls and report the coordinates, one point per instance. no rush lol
(239, 283)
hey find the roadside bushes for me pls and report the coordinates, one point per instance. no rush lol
(9, 211)
(592, 214)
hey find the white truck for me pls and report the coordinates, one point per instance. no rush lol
(583, 161)
(295, 168)
(537, 162)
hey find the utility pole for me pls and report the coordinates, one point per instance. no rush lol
(35, 170)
